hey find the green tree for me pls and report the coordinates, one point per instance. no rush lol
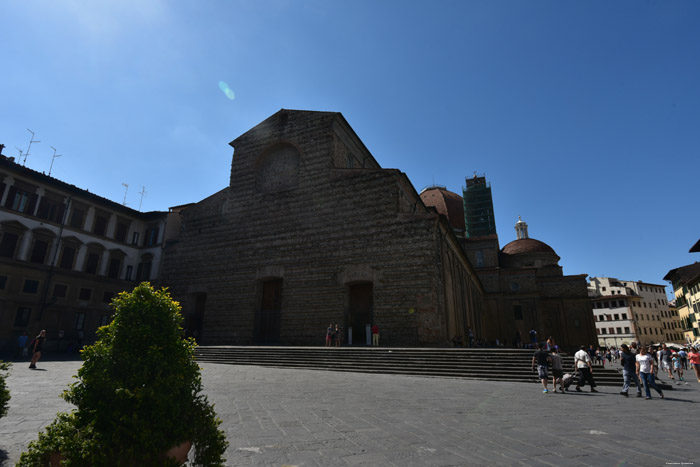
(138, 393)
(4, 392)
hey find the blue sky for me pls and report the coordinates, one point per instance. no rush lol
(584, 116)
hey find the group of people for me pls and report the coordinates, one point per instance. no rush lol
(640, 366)
(35, 347)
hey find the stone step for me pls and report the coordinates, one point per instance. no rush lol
(477, 363)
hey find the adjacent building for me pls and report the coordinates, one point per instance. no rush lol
(525, 286)
(685, 281)
(632, 311)
(64, 254)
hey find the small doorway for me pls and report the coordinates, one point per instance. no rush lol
(268, 317)
(359, 313)
(195, 319)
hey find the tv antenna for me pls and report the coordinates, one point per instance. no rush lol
(52, 158)
(20, 154)
(143, 193)
(32, 140)
(126, 190)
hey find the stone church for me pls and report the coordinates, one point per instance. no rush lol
(525, 286)
(311, 231)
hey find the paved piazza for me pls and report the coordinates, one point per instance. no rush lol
(283, 417)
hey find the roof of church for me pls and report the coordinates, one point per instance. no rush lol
(527, 245)
(447, 203)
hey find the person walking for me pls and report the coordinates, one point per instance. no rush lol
(470, 336)
(677, 366)
(329, 335)
(37, 348)
(694, 358)
(336, 335)
(557, 370)
(582, 362)
(542, 359)
(645, 370)
(684, 358)
(22, 345)
(533, 338)
(375, 335)
(629, 371)
(665, 361)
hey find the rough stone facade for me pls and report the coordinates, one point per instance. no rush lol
(313, 231)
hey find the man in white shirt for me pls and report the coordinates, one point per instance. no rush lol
(582, 362)
(645, 370)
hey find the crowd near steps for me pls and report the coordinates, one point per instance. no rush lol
(500, 364)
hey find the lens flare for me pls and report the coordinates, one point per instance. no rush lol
(227, 90)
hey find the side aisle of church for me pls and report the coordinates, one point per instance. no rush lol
(312, 231)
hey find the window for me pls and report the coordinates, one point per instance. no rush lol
(624, 315)
(603, 331)
(617, 317)
(67, 258)
(22, 316)
(627, 330)
(101, 221)
(21, 198)
(92, 262)
(41, 247)
(479, 259)
(77, 217)
(85, 294)
(518, 312)
(598, 329)
(611, 330)
(121, 232)
(30, 286)
(8, 244)
(135, 238)
(602, 317)
(129, 272)
(78, 321)
(59, 290)
(114, 266)
(50, 209)
(143, 271)
(152, 236)
(619, 330)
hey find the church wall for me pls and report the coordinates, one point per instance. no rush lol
(290, 213)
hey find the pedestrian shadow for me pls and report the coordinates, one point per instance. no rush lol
(675, 399)
(38, 369)
(4, 457)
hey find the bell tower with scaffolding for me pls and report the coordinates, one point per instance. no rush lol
(479, 218)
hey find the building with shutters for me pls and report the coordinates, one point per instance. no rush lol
(65, 253)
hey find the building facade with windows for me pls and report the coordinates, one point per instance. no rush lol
(685, 281)
(632, 311)
(64, 254)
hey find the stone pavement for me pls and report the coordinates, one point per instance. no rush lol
(285, 417)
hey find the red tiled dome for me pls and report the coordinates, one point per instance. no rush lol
(527, 245)
(447, 203)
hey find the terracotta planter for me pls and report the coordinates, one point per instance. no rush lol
(179, 452)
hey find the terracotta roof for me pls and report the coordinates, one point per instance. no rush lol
(685, 273)
(447, 203)
(527, 245)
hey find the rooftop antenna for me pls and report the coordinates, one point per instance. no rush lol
(52, 158)
(20, 154)
(143, 192)
(126, 190)
(32, 140)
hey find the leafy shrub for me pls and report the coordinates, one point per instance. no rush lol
(4, 392)
(137, 393)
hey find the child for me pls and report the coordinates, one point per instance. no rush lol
(676, 359)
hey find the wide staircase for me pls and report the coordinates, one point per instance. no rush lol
(474, 363)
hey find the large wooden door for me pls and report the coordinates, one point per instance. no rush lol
(267, 329)
(359, 312)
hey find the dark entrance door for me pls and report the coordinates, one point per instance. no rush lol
(359, 312)
(267, 323)
(195, 319)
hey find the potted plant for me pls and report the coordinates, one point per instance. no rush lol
(138, 394)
